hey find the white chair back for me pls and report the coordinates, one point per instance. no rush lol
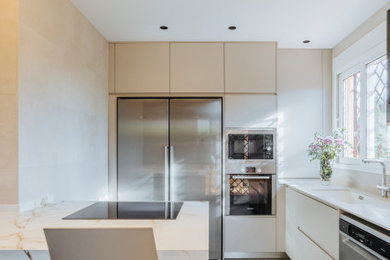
(101, 243)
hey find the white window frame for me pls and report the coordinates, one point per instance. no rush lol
(363, 76)
(360, 66)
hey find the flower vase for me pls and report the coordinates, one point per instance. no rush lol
(325, 171)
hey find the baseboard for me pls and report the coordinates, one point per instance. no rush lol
(255, 255)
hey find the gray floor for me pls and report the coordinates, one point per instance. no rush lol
(257, 258)
(21, 255)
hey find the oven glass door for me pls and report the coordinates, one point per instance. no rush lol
(250, 195)
(250, 146)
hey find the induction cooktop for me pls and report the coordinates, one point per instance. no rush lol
(129, 210)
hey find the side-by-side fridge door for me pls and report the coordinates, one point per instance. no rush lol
(142, 149)
(196, 154)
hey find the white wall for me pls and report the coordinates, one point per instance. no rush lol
(304, 92)
(9, 16)
(63, 103)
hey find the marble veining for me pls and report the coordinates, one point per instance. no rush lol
(187, 235)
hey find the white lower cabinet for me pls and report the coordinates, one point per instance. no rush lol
(308, 250)
(311, 228)
(247, 234)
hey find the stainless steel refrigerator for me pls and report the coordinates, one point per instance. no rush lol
(171, 149)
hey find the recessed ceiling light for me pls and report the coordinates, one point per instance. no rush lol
(306, 41)
(232, 28)
(163, 27)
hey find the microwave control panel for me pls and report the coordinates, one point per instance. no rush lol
(268, 147)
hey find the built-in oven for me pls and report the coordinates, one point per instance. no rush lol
(250, 147)
(251, 194)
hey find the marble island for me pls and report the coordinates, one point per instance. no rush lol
(186, 237)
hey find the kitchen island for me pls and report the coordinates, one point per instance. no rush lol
(186, 237)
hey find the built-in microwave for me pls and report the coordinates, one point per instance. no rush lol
(244, 146)
(250, 147)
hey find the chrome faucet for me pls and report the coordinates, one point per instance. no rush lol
(383, 187)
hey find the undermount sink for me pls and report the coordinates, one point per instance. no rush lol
(347, 196)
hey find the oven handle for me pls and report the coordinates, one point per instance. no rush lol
(251, 177)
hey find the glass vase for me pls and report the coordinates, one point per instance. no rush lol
(325, 171)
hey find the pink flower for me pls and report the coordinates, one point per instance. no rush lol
(339, 141)
(328, 140)
(314, 147)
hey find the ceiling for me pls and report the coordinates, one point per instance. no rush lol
(289, 22)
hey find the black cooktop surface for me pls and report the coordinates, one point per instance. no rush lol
(129, 210)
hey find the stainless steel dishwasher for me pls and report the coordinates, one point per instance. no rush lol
(360, 240)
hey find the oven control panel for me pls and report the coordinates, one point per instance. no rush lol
(250, 169)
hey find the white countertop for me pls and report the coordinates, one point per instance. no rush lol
(24, 230)
(376, 210)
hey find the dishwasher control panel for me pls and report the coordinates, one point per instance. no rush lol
(367, 235)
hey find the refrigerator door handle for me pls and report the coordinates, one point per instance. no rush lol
(167, 173)
(171, 171)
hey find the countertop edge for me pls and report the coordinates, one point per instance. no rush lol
(24, 230)
(335, 206)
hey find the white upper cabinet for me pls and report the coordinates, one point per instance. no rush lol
(142, 67)
(155, 67)
(253, 110)
(250, 67)
(111, 68)
(197, 67)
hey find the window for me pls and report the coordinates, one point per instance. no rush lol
(377, 129)
(352, 115)
(362, 111)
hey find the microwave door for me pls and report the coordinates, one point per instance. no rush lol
(238, 146)
(255, 147)
(250, 146)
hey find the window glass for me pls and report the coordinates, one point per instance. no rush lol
(377, 129)
(352, 115)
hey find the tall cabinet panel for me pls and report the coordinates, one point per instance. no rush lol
(142, 157)
(250, 67)
(195, 136)
(250, 110)
(142, 67)
(301, 92)
(197, 67)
